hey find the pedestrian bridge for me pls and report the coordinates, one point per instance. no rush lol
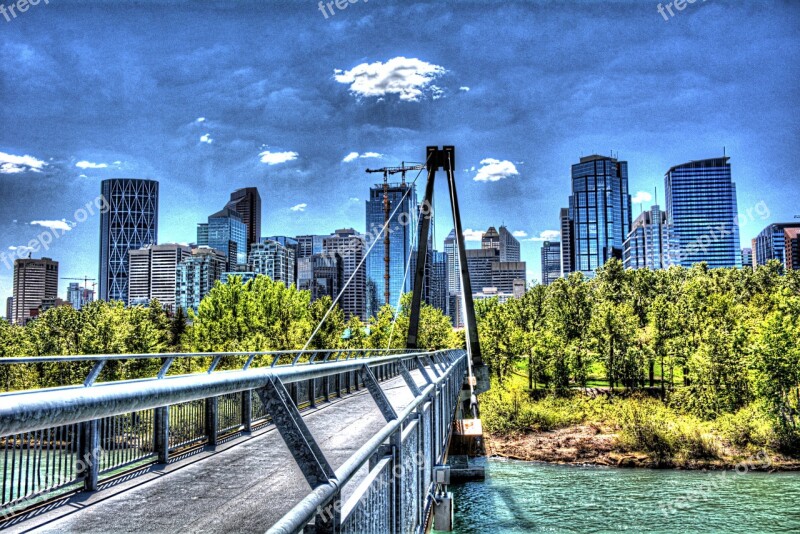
(315, 441)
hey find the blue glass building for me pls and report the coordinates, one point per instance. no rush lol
(770, 243)
(402, 226)
(226, 232)
(701, 207)
(599, 212)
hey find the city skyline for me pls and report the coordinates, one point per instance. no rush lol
(157, 119)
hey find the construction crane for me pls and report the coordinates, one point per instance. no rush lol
(85, 282)
(386, 171)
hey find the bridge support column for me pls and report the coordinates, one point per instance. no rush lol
(89, 454)
(162, 434)
(212, 414)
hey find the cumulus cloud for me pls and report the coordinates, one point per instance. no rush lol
(62, 225)
(200, 119)
(89, 165)
(11, 164)
(206, 139)
(472, 235)
(519, 233)
(464, 88)
(299, 207)
(274, 158)
(494, 170)
(355, 155)
(353, 199)
(547, 235)
(409, 78)
(641, 196)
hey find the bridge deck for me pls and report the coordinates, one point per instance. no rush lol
(245, 487)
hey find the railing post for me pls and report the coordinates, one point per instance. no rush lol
(89, 445)
(212, 414)
(161, 441)
(247, 410)
(397, 477)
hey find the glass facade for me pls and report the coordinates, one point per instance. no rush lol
(402, 227)
(770, 244)
(272, 259)
(130, 223)
(196, 275)
(701, 207)
(600, 212)
(228, 234)
(651, 242)
(551, 262)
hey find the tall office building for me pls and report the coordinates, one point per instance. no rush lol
(770, 244)
(402, 227)
(130, 223)
(308, 245)
(247, 203)
(227, 233)
(747, 257)
(272, 259)
(651, 243)
(791, 253)
(79, 296)
(453, 279)
(567, 259)
(438, 294)
(551, 262)
(490, 238)
(196, 275)
(486, 270)
(35, 282)
(10, 309)
(350, 246)
(321, 274)
(509, 246)
(701, 207)
(153, 274)
(599, 210)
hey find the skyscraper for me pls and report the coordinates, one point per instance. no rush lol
(791, 254)
(770, 244)
(227, 233)
(196, 276)
(509, 246)
(402, 228)
(438, 294)
(701, 206)
(453, 279)
(551, 262)
(599, 210)
(747, 258)
(35, 281)
(308, 245)
(130, 223)
(349, 245)
(486, 270)
(567, 260)
(153, 274)
(9, 309)
(321, 274)
(247, 203)
(272, 259)
(651, 243)
(490, 238)
(78, 296)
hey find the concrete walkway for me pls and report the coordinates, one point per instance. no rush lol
(242, 486)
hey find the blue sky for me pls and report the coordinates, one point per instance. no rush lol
(209, 97)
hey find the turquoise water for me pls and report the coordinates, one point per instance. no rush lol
(531, 497)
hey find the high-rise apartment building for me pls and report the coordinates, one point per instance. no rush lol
(196, 276)
(402, 200)
(701, 207)
(747, 258)
(770, 244)
(130, 223)
(79, 296)
(153, 274)
(272, 259)
(321, 274)
(551, 262)
(652, 242)
(350, 246)
(35, 281)
(791, 253)
(599, 211)
(438, 294)
(308, 245)
(10, 309)
(567, 259)
(247, 203)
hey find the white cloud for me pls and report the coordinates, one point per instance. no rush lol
(22, 248)
(547, 235)
(354, 155)
(206, 139)
(274, 158)
(350, 157)
(82, 176)
(200, 119)
(11, 164)
(62, 225)
(299, 207)
(353, 199)
(464, 88)
(407, 77)
(519, 233)
(494, 170)
(89, 165)
(641, 196)
(472, 235)
(371, 155)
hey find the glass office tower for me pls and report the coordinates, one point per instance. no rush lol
(130, 223)
(599, 211)
(701, 206)
(228, 234)
(402, 227)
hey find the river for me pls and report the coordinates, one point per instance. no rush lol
(533, 497)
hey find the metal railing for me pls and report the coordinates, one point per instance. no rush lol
(69, 438)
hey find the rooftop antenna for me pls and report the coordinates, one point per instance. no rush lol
(656, 189)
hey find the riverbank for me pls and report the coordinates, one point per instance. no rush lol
(591, 444)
